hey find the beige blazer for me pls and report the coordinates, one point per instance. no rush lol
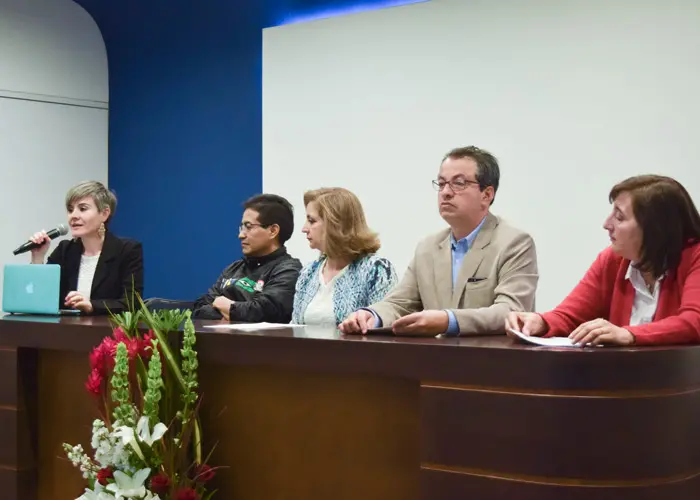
(498, 275)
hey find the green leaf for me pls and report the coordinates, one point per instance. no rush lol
(209, 495)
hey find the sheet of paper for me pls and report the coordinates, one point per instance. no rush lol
(551, 341)
(254, 326)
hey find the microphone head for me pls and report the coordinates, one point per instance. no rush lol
(62, 229)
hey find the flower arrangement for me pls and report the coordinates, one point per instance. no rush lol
(147, 443)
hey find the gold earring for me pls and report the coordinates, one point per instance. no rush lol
(102, 230)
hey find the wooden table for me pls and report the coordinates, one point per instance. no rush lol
(312, 414)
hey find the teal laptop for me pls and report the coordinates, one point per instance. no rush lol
(32, 289)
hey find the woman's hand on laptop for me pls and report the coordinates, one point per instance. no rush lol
(40, 238)
(74, 300)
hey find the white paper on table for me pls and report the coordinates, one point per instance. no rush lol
(254, 326)
(551, 341)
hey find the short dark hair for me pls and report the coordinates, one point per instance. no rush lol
(273, 209)
(667, 217)
(487, 171)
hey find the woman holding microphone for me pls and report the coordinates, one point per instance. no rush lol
(98, 269)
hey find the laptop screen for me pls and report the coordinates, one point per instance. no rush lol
(31, 288)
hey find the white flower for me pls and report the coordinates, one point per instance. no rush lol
(151, 496)
(99, 433)
(129, 487)
(97, 494)
(145, 434)
(76, 454)
(125, 433)
(128, 436)
(128, 439)
(109, 451)
(79, 459)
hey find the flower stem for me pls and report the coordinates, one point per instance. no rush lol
(170, 358)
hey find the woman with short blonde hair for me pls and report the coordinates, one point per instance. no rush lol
(348, 275)
(99, 271)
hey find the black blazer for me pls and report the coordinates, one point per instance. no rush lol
(121, 261)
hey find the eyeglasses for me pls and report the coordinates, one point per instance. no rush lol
(244, 227)
(455, 185)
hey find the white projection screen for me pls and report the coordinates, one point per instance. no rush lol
(570, 96)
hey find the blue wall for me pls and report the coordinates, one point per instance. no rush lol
(185, 125)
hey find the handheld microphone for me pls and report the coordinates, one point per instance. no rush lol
(61, 230)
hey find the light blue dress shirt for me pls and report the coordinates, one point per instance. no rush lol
(459, 250)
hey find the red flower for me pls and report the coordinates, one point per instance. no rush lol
(103, 475)
(160, 484)
(102, 356)
(96, 361)
(203, 473)
(119, 335)
(132, 344)
(186, 494)
(146, 346)
(94, 383)
(132, 348)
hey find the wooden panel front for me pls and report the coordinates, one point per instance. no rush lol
(440, 485)
(66, 413)
(289, 434)
(8, 376)
(19, 484)
(552, 443)
(283, 434)
(17, 423)
(609, 437)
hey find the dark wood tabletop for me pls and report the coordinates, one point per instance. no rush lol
(494, 360)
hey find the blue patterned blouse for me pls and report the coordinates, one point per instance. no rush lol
(366, 281)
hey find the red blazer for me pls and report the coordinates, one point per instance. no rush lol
(605, 293)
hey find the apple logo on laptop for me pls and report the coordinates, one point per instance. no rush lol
(30, 288)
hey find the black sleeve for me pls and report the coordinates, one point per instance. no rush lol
(59, 253)
(203, 308)
(274, 303)
(58, 256)
(130, 277)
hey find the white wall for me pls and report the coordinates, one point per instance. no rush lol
(570, 96)
(53, 114)
(53, 49)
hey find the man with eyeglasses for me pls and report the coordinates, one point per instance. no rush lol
(260, 286)
(467, 278)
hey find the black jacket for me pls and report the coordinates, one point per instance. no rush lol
(120, 261)
(262, 289)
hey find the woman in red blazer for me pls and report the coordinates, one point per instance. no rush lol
(644, 288)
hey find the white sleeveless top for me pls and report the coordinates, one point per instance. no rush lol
(88, 264)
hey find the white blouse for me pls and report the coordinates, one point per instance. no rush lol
(88, 264)
(645, 302)
(320, 310)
